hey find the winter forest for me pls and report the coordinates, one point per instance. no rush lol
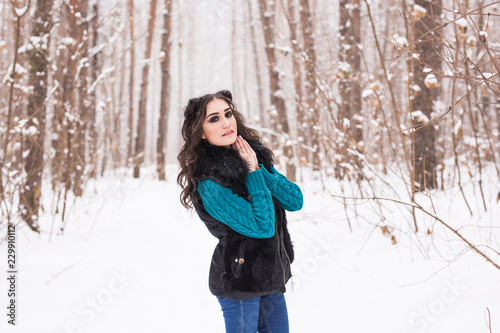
(386, 113)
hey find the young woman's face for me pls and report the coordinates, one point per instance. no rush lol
(219, 127)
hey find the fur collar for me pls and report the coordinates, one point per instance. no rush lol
(226, 167)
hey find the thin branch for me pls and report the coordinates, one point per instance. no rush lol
(423, 210)
(489, 320)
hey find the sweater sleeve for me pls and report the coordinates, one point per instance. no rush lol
(288, 193)
(253, 219)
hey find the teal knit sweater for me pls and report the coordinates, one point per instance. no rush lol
(255, 218)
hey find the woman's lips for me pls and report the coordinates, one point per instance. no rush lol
(228, 132)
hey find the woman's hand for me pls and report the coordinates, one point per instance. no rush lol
(246, 153)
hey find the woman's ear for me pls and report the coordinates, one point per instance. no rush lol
(203, 136)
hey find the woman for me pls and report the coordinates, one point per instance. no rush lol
(227, 175)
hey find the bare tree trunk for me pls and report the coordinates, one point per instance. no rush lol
(234, 58)
(267, 15)
(180, 57)
(350, 87)
(2, 28)
(5, 160)
(108, 131)
(165, 89)
(140, 142)
(247, 65)
(116, 149)
(37, 110)
(83, 99)
(260, 92)
(71, 117)
(69, 93)
(18, 106)
(497, 109)
(311, 107)
(192, 30)
(298, 82)
(428, 48)
(280, 119)
(130, 148)
(95, 65)
(58, 137)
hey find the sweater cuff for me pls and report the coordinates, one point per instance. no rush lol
(255, 181)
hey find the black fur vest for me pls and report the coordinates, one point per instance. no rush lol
(243, 267)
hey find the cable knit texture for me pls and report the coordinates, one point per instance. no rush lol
(288, 193)
(252, 219)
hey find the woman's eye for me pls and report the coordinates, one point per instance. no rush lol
(214, 119)
(229, 114)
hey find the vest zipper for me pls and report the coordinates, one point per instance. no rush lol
(281, 245)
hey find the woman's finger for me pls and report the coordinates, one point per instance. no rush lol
(252, 155)
(238, 145)
(241, 148)
(247, 146)
(242, 145)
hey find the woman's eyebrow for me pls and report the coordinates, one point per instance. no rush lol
(212, 114)
(218, 112)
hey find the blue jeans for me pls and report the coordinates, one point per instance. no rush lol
(265, 314)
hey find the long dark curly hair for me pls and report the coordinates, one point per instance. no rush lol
(192, 130)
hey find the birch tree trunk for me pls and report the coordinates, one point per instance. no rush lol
(428, 47)
(165, 89)
(37, 111)
(140, 141)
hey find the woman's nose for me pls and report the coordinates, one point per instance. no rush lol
(225, 123)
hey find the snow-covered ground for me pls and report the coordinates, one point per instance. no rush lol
(133, 260)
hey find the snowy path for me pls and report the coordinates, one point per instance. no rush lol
(133, 260)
